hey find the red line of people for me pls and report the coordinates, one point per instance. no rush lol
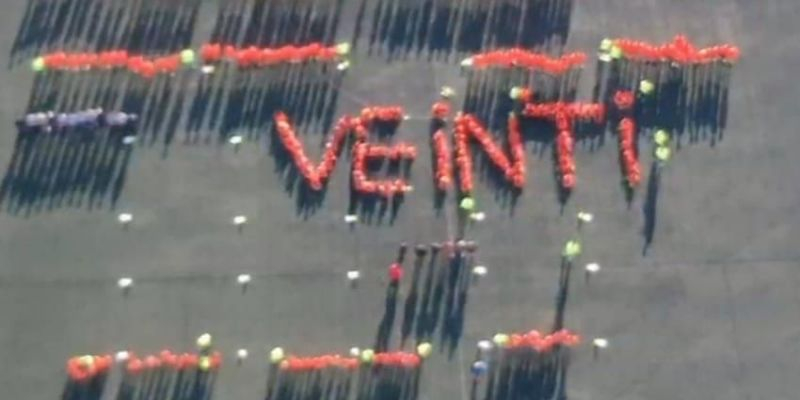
(149, 67)
(178, 362)
(521, 58)
(444, 164)
(308, 364)
(84, 368)
(316, 175)
(627, 135)
(253, 56)
(680, 51)
(542, 343)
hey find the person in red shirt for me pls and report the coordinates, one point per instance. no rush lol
(395, 273)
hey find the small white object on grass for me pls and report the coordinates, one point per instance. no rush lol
(355, 352)
(125, 218)
(129, 140)
(353, 275)
(125, 283)
(600, 343)
(241, 354)
(592, 268)
(243, 279)
(351, 218)
(239, 220)
(235, 140)
(479, 270)
(122, 356)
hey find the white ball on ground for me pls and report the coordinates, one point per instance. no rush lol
(243, 279)
(239, 220)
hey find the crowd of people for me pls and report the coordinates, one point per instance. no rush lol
(680, 51)
(47, 121)
(521, 58)
(358, 126)
(211, 53)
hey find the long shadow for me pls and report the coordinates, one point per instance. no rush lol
(388, 383)
(691, 102)
(412, 299)
(276, 22)
(650, 206)
(437, 29)
(142, 26)
(76, 168)
(384, 334)
(89, 390)
(524, 374)
(562, 294)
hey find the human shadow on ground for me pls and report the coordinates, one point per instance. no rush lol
(524, 374)
(437, 29)
(326, 384)
(140, 26)
(80, 167)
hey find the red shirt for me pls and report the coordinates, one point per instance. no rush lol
(396, 272)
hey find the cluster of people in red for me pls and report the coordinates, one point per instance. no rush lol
(145, 67)
(543, 343)
(521, 58)
(563, 114)
(362, 152)
(627, 135)
(252, 56)
(82, 369)
(444, 165)
(309, 364)
(168, 359)
(316, 175)
(680, 51)
(466, 126)
(397, 359)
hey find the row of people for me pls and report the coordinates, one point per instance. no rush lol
(85, 368)
(680, 51)
(624, 101)
(211, 53)
(178, 362)
(513, 168)
(521, 58)
(536, 340)
(253, 56)
(316, 175)
(628, 152)
(444, 166)
(93, 117)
